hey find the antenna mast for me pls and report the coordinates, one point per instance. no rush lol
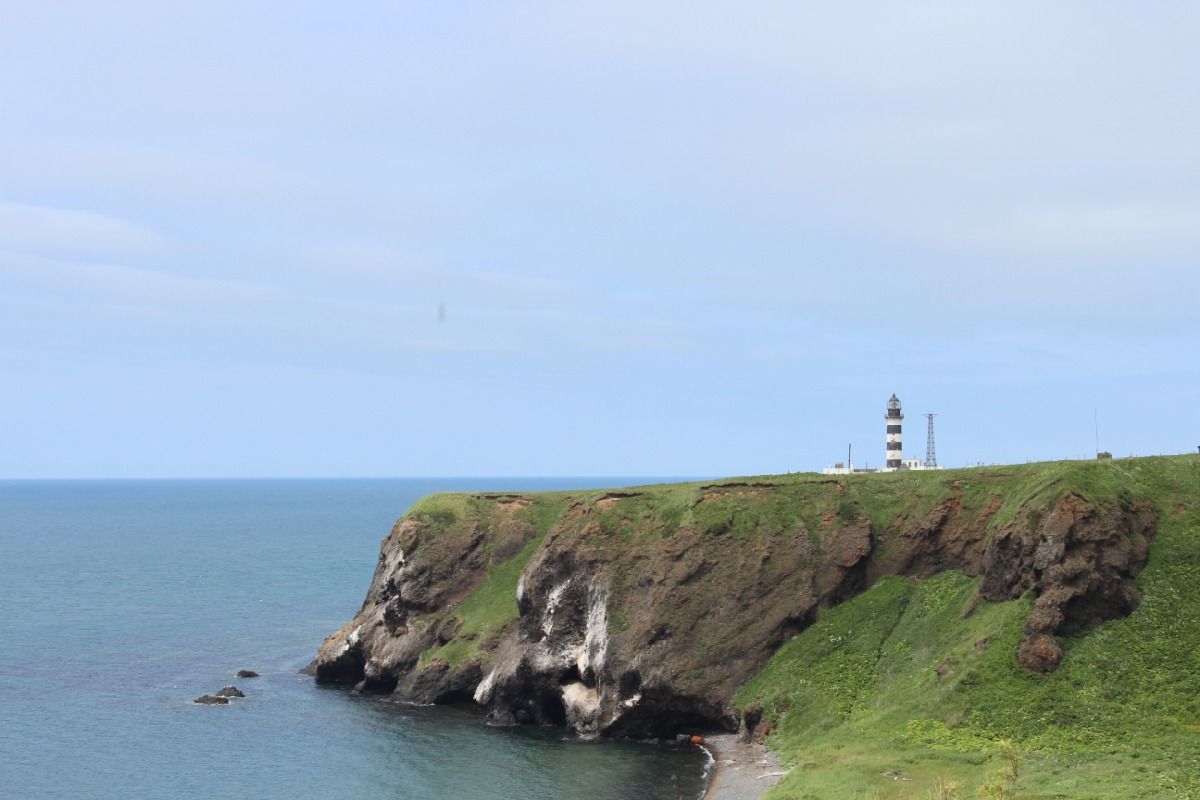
(930, 450)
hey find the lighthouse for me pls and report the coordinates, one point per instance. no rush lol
(895, 451)
(894, 459)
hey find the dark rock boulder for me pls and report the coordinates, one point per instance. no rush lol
(231, 691)
(246, 673)
(211, 700)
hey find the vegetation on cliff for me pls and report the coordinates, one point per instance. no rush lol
(900, 680)
(905, 623)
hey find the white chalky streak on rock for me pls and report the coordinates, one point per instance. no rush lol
(581, 699)
(483, 692)
(394, 561)
(552, 601)
(545, 660)
(350, 640)
(521, 588)
(595, 641)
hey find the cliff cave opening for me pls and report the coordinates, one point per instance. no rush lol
(553, 711)
(383, 683)
(630, 683)
(662, 714)
(570, 676)
(454, 697)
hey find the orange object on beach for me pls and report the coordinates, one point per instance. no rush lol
(697, 740)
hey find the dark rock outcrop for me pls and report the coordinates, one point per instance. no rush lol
(1079, 561)
(637, 618)
(231, 691)
(211, 700)
(246, 673)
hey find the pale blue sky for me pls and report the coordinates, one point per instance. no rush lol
(697, 238)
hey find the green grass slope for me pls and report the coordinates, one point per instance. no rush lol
(493, 605)
(898, 681)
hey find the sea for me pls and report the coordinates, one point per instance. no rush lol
(121, 601)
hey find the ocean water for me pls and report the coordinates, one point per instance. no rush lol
(120, 601)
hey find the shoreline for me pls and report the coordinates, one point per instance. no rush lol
(741, 770)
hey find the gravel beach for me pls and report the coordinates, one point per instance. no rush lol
(742, 771)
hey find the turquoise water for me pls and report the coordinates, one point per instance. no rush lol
(121, 601)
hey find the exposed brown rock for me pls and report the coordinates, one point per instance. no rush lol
(946, 666)
(514, 533)
(1040, 652)
(1079, 560)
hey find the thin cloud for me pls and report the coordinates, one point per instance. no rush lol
(1136, 229)
(63, 230)
(111, 281)
(184, 173)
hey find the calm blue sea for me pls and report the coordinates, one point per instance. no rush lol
(120, 601)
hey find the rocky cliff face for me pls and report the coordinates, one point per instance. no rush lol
(639, 613)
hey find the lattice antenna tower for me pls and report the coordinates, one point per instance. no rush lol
(930, 450)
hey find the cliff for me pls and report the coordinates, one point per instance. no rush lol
(641, 612)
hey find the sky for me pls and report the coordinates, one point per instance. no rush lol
(244, 239)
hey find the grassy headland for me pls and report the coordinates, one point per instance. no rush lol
(897, 681)
(911, 689)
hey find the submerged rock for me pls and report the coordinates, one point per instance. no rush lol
(211, 700)
(246, 673)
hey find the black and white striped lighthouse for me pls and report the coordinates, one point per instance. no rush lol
(894, 418)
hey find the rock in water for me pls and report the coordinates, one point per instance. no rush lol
(211, 700)
(246, 673)
(231, 691)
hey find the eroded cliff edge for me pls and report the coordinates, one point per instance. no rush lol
(640, 612)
